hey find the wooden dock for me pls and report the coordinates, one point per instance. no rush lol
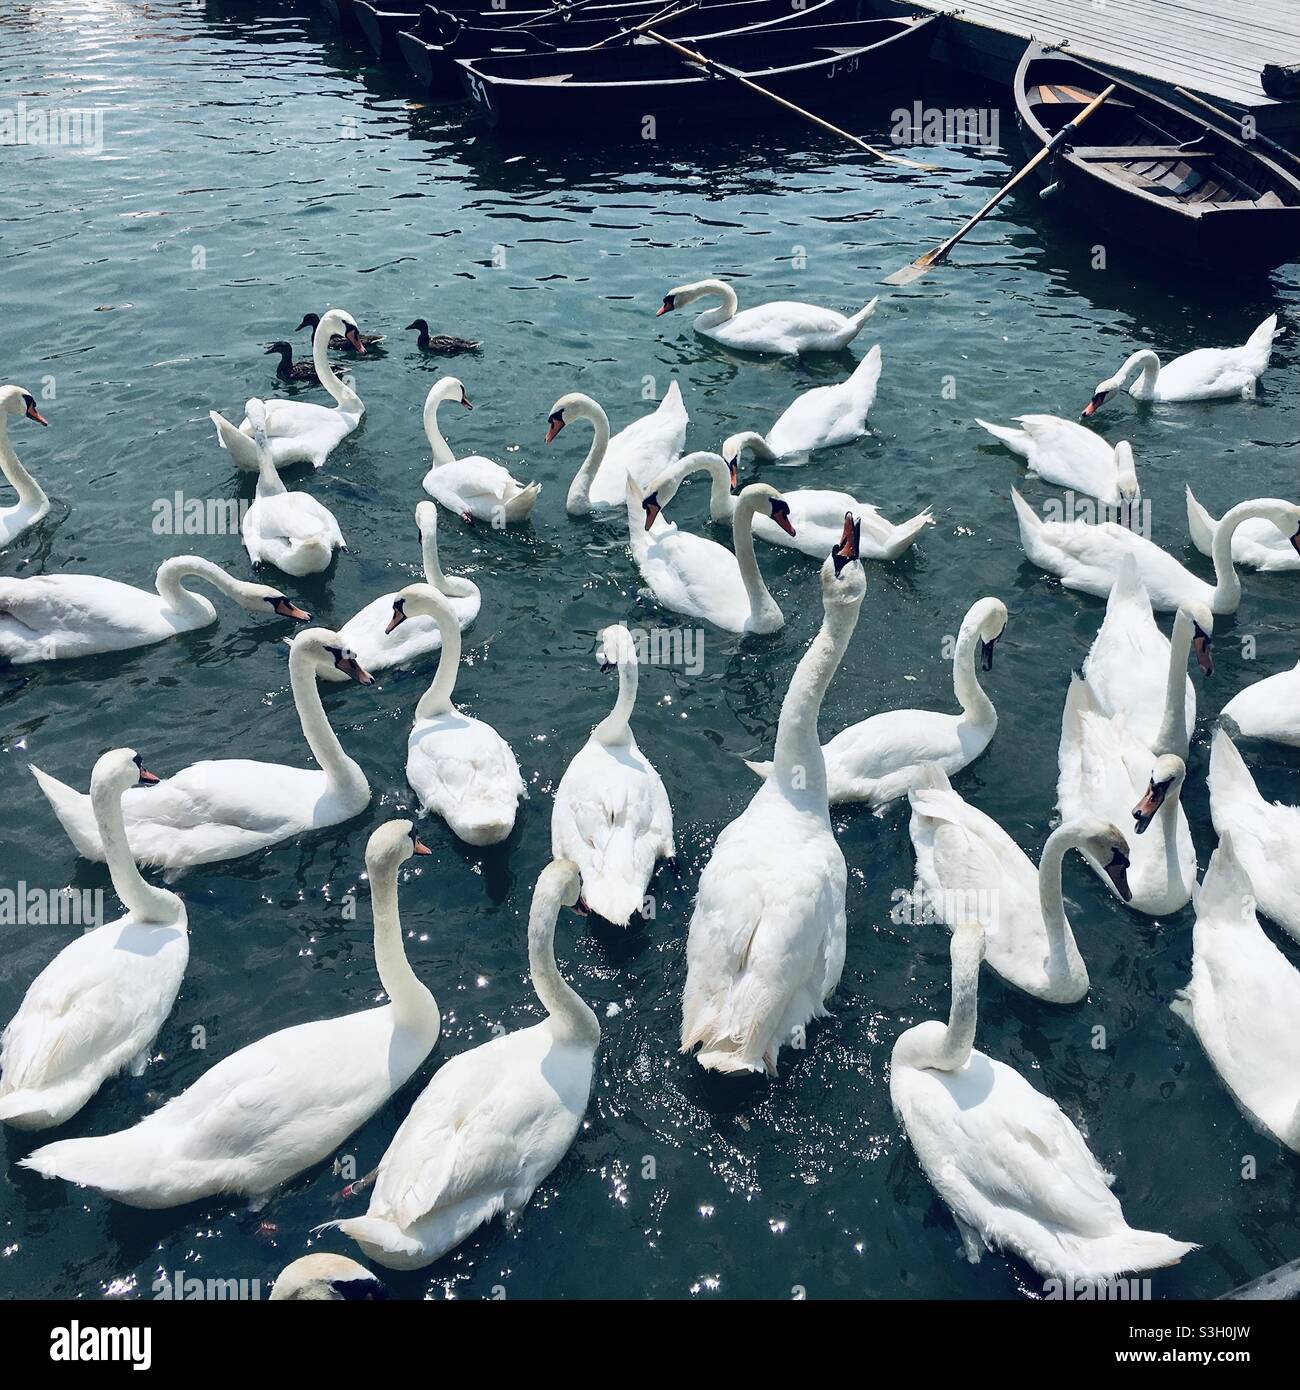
(1215, 48)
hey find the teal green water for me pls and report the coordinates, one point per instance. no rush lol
(225, 148)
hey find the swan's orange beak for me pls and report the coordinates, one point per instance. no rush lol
(847, 551)
(32, 413)
(781, 515)
(1091, 407)
(1117, 872)
(652, 510)
(399, 616)
(554, 424)
(350, 666)
(422, 848)
(464, 399)
(733, 471)
(286, 608)
(147, 778)
(354, 340)
(1144, 812)
(1295, 540)
(666, 307)
(1201, 644)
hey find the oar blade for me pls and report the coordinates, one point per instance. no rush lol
(908, 273)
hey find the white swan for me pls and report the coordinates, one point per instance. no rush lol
(1067, 454)
(97, 1007)
(1088, 557)
(1008, 1162)
(282, 1104)
(1135, 670)
(643, 448)
(460, 767)
(767, 935)
(1243, 1000)
(1206, 374)
(1265, 835)
(969, 869)
(301, 432)
(290, 530)
(32, 502)
(1269, 708)
(612, 816)
(494, 1121)
(473, 487)
(365, 632)
(1105, 770)
(816, 515)
(228, 807)
(322, 1278)
(881, 758)
(821, 418)
(783, 326)
(1256, 543)
(56, 617)
(696, 576)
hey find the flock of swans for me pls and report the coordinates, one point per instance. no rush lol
(767, 936)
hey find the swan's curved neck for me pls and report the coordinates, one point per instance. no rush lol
(441, 449)
(757, 445)
(615, 728)
(1174, 736)
(742, 538)
(1149, 363)
(952, 1050)
(710, 318)
(1227, 583)
(572, 1019)
(340, 771)
(269, 482)
(722, 501)
(437, 699)
(344, 396)
(429, 557)
(413, 1004)
(797, 761)
(1063, 957)
(172, 573)
(579, 494)
(30, 492)
(975, 704)
(144, 902)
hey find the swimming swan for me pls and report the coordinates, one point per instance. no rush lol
(1256, 543)
(1243, 1000)
(1269, 708)
(365, 632)
(494, 1121)
(322, 1278)
(646, 446)
(301, 432)
(56, 617)
(821, 418)
(783, 326)
(474, 487)
(32, 502)
(96, 1008)
(969, 868)
(611, 815)
(290, 530)
(460, 767)
(228, 807)
(766, 943)
(881, 758)
(1203, 375)
(1007, 1161)
(264, 1114)
(1065, 453)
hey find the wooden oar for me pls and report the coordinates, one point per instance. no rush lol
(660, 18)
(918, 267)
(1235, 125)
(721, 68)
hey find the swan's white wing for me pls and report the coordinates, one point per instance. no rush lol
(463, 769)
(693, 575)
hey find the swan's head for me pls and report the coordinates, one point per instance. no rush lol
(426, 521)
(1166, 779)
(255, 410)
(1284, 515)
(322, 1278)
(339, 322)
(392, 844)
(1202, 621)
(733, 449)
(259, 598)
(574, 406)
(418, 601)
(615, 645)
(764, 497)
(119, 770)
(15, 401)
(1126, 473)
(1106, 845)
(447, 388)
(989, 619)
(327, 650)
(684, 295)
(844, 583)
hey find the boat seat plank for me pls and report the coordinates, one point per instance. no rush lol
(1106, 153)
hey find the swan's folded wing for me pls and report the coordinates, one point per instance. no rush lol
(478, 479)
(461, 760)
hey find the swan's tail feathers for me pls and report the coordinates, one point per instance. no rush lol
(759, 769)
(113, 1163)
(1102, 1257)
(378, 1237)
(242, 450)
(1200, 524)
(1225, 890)
(522, 503)
(856, 321)
(1128, 586)
(1031, 524)
(73, 810)
(1015, 440)
(1260, 343)
(901, 536)
(1229, 779)
(930, 777)
(672, 400)
(1079, 701)
(612, 898)
(866, 375)
(28, 1109)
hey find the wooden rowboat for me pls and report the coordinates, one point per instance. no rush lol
(1155, 174)
(432, 48)
(643, 86)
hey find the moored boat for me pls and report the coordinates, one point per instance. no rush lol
(381, 21)
(644, 85)
(1154, 173)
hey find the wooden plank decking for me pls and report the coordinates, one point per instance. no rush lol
(1215, 48)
